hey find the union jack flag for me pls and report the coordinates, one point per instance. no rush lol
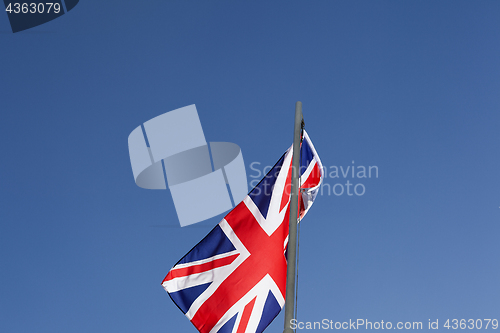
(234, 280)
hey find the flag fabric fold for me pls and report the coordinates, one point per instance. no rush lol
(234, 280)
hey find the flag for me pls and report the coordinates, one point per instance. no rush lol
(234, 280)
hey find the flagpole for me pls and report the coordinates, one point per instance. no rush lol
(292, 235)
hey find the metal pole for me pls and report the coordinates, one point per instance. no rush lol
(292, 235)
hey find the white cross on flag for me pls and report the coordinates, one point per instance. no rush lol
(234, 280)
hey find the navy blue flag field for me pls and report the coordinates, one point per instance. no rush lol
(234, 280)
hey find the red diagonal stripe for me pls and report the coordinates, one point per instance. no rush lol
(266, 257)
(179, 272)
(313, 178)
(245, 317)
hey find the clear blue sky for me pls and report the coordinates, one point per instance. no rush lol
(412, 87)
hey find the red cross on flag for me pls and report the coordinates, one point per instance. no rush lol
(234, 280)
